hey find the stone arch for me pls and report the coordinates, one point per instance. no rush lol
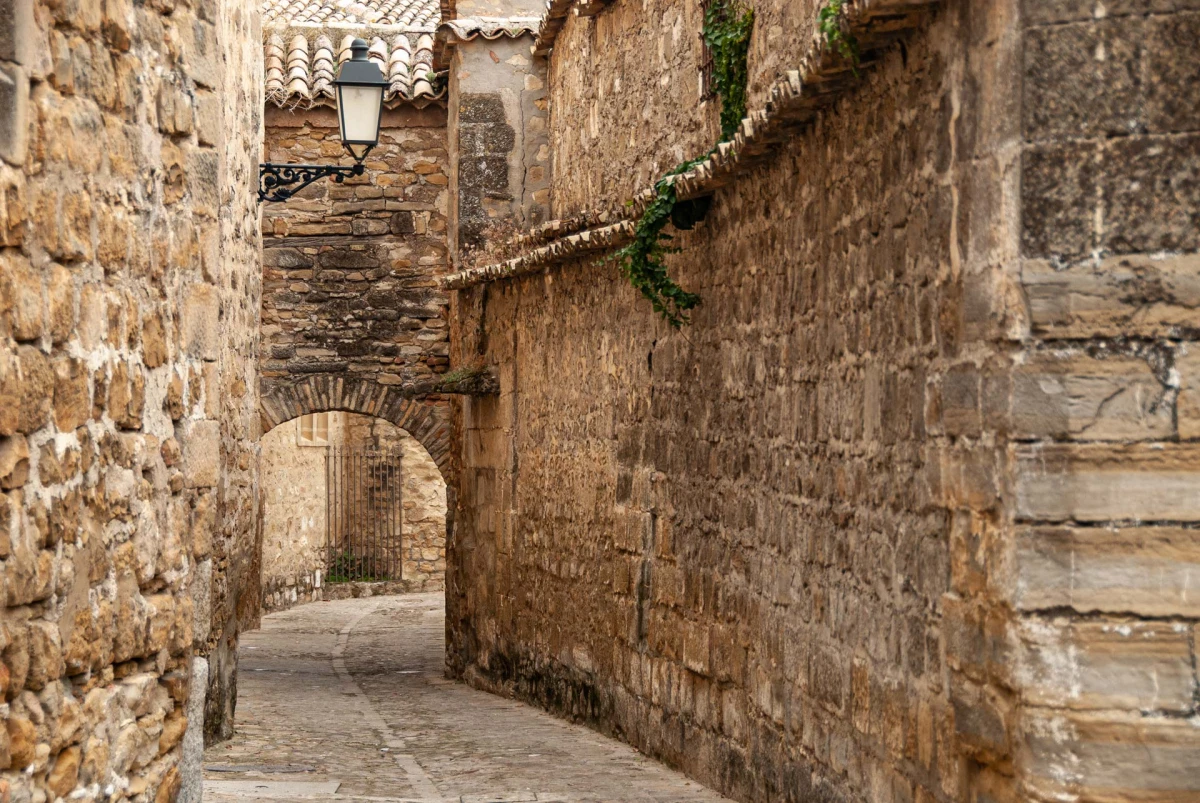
(427, 421)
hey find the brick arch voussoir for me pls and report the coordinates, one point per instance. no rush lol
(426, 422)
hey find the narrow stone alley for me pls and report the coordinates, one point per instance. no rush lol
(346, 701)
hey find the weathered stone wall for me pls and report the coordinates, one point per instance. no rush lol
(842, 537)
(500, 159)
(128, 306)
(618, 128)
(1104, 465)
(350, 269)
(294, 489)
(235, 594)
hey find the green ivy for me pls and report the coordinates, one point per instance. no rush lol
(727, 28)
(642, 261)
(833, 28)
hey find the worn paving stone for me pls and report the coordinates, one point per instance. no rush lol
(353, 690)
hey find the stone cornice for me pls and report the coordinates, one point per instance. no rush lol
(793, 103)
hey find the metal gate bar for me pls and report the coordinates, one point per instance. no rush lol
(363, 515)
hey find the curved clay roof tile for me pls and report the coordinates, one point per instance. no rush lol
(306, 70)
(273, 65)
(323, 71)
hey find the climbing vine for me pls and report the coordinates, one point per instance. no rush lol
(832, 25)
(727, 28)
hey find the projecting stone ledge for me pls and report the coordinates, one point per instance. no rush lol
(460, 383)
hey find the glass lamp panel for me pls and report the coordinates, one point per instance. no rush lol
(358, 110)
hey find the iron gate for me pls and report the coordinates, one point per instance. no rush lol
(363, 515)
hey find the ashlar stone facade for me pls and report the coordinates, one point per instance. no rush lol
(129, 298)
(907, 513)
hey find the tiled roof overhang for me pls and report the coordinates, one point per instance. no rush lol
(794, 101)
(406, 14)
(555, 18)
(300, 64)
(452, 32)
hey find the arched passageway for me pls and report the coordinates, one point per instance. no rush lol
(427, 420)
(348, 499)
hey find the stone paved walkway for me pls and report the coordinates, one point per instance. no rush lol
(346, 701)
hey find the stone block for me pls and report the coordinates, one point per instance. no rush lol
(1124, 296)
(72, 402)
(1147, 571)
(208, 118)
(14, 462)
(200, 324)
(29, 575)
(10, 392)
(22, 741)
(17, 35)
(1113, 664)
(204, 181)
(1083, 80)
(64, 774)
(1071, 395)
(60, 291)
(192, 754)
(37, 389)
(1109, 755)
(1171, 63)
(1059, 183)
(1151, 189)
(1099, 482)
(201, 53)
(980, 720)
(155, 352)
(45, 655)
(480, 108)
(201, 442)
(14, 113)
(25, 291)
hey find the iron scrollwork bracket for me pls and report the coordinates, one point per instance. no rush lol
(279, 182)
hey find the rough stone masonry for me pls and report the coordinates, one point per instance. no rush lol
(129, 297)
(909, 512)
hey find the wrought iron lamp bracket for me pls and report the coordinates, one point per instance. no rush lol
(279, 182)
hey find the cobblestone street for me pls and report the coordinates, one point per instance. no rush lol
(346, 701)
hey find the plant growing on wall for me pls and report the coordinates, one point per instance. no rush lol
(831, 22)
(727, 28)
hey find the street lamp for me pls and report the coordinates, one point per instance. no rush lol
(360, 85)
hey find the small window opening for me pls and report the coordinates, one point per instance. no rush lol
(314, 430)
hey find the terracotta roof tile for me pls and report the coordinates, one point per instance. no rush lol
(491, 27)
(300, 71)
(412, 14)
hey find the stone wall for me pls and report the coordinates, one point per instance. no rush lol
(500, 159)
(128, 394)
(1104, 465)
(294, 489)
(871, 528)
(617, 129)
(350, 270)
